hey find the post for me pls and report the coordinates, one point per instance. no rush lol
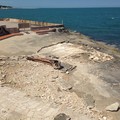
(62, 22)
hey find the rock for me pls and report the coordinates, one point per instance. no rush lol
(2, 63)
(2, 77)
(67, 72)
(62, 116)
(98, 48)
(66, 87)
(55, 76)
(14, 58)
(113, 108)
(53, 81)
(104, 118)
(3, 58)
(90, 107)
(67, 68)
(89, 101)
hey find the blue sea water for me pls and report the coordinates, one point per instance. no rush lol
(102, 24)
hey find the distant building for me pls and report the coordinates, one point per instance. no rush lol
(5, 7)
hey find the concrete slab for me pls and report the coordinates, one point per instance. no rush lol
(9, 24)
(27, 44)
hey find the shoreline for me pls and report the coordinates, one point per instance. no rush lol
(101, 43)
(97, 40)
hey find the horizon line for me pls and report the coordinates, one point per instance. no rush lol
(58, 7)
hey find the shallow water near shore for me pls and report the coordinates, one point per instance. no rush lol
(102, 24)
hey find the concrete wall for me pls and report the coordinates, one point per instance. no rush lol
(13, 30)
(31, 22)
(32, 25)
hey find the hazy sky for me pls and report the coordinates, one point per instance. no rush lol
(61, 3)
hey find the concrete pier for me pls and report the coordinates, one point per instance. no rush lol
(13, 26)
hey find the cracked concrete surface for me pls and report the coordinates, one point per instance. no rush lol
(35, 91)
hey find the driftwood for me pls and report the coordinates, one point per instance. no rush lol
(50, 45)
(55, 63)
(64, 67)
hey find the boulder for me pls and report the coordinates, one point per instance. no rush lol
(62, 116)
(113, 107)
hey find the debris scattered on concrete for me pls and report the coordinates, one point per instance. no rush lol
(61, 90)
(55, 63)
(99, 56)
(64, 67)
(113, 108)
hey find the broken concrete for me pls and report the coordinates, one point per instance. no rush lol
(38, 91)
(114, 107)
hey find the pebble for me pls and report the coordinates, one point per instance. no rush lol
(66, 88)
(90, 107)
(55, 77)
(67, 72)
(2, 63)
(2, 77)
(104, 118)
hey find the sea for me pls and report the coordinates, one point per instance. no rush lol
(101, 24)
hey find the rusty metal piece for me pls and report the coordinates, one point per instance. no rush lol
(10, 35)
(55, 63)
